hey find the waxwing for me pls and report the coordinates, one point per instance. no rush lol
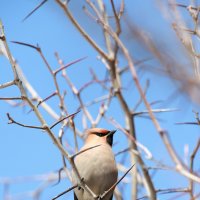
(96, 166)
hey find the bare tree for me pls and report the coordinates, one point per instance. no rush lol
(118, 61)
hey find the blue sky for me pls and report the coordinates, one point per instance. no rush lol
(27, 152)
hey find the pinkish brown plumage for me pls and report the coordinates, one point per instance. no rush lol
(97, 166)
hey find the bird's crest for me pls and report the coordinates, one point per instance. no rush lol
(97, 130)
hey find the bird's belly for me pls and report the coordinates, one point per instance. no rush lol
(99, 172)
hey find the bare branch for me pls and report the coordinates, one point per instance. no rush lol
(10, 98)
(113, 186)
(58, 92)
(156, 111)
(12, 121)
(26, 44)
(8, 84)
(192, 157)
(68, 190)
(72, 115)
(47, 98)
(118, 31)
(80, 29)
(69, 64)
(36, 8)
(84, 150)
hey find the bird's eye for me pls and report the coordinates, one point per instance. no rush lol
(100, 134)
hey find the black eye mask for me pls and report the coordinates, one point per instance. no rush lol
(108, 135)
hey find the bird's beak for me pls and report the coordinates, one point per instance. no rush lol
(111, 133)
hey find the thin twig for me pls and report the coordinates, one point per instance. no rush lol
(8, 84)
(36, 8)
(47, 98)
(161, 110)
(114, 185)
(52, 126)
(80, 29)
(12, 121)
(118, 31)
(77, 94)
(26, 44)
(10, 98)
(84, 150)
(69, 64)
(192, 157)
(68, 190)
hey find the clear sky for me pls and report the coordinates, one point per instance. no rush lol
(29, 153)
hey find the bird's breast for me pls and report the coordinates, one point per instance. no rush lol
(98, 168)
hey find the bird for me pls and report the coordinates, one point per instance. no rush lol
(96, 166)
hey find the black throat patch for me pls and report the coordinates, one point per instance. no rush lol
(109, 139)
